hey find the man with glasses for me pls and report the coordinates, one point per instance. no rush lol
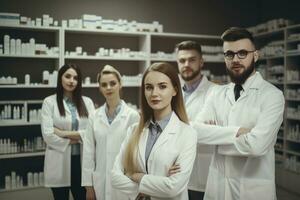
(242, 119)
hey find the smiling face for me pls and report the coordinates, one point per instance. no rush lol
(159, 92)
(189, 63)
(110, 86)
(69, 81)
(240, 69)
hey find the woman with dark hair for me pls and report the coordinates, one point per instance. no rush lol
(105, 133)
(64, 119)
(160, 140)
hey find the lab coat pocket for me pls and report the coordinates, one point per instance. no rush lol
(54, 172)
(254, 189)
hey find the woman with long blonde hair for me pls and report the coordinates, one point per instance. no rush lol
(160, 140)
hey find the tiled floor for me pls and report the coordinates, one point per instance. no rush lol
(286, 195)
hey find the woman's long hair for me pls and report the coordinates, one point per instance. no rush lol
(76, 94)
(130, 158)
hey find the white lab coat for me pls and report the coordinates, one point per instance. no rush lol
(242, 167)
(101, 145)
(57, 165)
(176, 144)
(194, 105)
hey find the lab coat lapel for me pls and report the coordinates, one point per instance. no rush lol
(103, 116)
(201, 87)
(66, 107)
(230, 93)
(171, 128)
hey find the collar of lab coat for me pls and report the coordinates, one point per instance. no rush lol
(171, 129)
(66, 107)
(201, 87)
(121, 114)
(252, 83)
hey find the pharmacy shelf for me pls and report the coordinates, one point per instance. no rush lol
(104, 32)
(292, 152)
(183, 35)
(295, 141)
(293, 118)
(292, 99)
(293, 83)
(17, 123)
(268, 33)
(104, 58)
(21, 188)
(272, 57)
(29, 56)
(22, 155)
(93, 85)
(293, 54)
(293, 40)
(37, 28)
(27, 86)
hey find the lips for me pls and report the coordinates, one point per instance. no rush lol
(155, 101)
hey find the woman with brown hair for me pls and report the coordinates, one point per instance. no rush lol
(162, 139)
(64, 120)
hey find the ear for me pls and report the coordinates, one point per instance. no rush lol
(174, 92)
(256, 55)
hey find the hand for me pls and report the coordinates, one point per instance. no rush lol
(58, 132)
(90, 193)
(74, 141)
(174, 170)
(242, 131)
(210, 122)
(136, 177)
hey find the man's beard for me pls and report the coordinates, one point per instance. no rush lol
(192, 76)
(241, 78)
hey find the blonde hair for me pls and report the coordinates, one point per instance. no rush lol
(108, 69)
(130, 156)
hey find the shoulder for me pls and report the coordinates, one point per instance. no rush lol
(50, 99)
(129, 110)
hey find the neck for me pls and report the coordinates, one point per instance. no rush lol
(191, 82)
(112, 104)
(160, 114)
(68, 95)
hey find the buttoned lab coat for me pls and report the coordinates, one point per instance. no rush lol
(242, 167)
(176, 144)
(193, 106)
(101, 145)
(57, 165)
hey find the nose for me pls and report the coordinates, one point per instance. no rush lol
(186, 63)
(154, 91)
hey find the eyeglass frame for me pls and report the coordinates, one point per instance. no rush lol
(237, 54)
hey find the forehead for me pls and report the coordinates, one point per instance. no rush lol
(238, 45)
(187, 53)
(71, 71)
(108, 77)
(156, 78)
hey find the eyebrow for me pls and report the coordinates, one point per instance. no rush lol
(157, 83)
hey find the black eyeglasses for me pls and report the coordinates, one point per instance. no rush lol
(241, 54)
